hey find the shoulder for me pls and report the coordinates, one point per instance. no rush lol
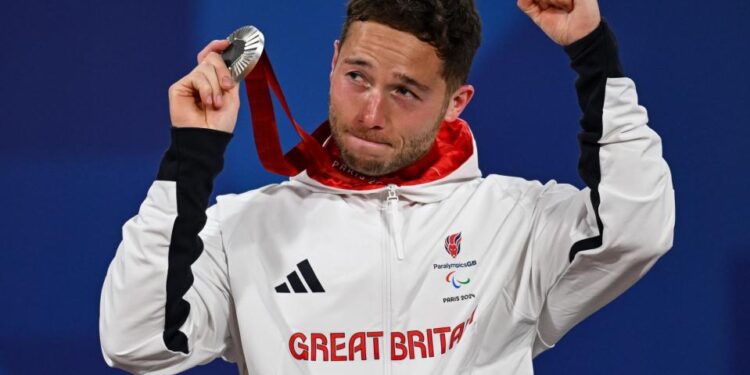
(529, 191)
(231, 206)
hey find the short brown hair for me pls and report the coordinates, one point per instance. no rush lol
(451, 26)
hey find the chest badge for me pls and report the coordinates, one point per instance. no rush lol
(453, 244)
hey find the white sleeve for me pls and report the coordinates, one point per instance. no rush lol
(589, 246)
(165, 304)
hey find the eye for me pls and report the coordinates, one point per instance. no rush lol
(355, 76)
(403, 91)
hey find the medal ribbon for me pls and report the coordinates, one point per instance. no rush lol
(265, 130)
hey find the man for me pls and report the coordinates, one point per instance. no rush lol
(397, 257)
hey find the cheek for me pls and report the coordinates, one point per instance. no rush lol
(418, 122)
(342, 100)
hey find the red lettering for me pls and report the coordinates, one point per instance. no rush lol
(471, 318)
(375, 342)
(398, 346)
(430, 344)
(456, 335)
(303, 354)
(335, 346)
(319, 341)
(442, 331)
(416, 339)
(357, 344)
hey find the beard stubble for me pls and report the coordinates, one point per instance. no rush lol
(414, 149)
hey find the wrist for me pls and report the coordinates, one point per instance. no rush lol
(195, 151)
(596, 51)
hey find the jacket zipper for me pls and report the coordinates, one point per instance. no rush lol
(394, 228)
(394, 221)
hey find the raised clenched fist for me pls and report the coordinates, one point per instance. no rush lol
(564, 21)
(207, 97)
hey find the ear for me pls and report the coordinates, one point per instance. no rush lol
(335, 55)
(458, 102)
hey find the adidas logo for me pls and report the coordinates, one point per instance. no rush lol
(298, 286)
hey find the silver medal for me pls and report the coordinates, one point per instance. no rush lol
(244, 52)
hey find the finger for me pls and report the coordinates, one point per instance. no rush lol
(209, 71)
(543, 4)
(231, 97)
(525, 4)
(528, 6)
(202, 86)
(215, 46)
(223, 73)
(566, 5)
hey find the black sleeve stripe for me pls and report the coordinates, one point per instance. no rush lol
(595, 59)
(194, 158)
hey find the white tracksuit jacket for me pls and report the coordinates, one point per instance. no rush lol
(459, 275)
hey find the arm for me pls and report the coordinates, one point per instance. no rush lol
(165, 303)
(629, 202)
(588, 247)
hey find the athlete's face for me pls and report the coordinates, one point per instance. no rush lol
(388, 98)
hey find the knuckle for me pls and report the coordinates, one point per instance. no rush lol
(178, 84)
(196, 71)
(197, 78)
(214, 59)
(208, 65)
(204, 69)
(210, 78)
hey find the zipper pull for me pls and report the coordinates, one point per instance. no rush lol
(392, 196)
(395, 220)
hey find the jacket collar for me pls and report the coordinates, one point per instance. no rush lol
(451, 161)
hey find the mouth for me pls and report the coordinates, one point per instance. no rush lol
(366, 144)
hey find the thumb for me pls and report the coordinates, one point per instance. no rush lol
(215, 46)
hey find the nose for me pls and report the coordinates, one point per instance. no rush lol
(372, 114)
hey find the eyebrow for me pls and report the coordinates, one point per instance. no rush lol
(411, 82)
(404, 78)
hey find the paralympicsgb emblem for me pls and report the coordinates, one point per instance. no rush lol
(453, 244)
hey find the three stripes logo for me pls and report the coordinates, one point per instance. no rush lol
(296, 283)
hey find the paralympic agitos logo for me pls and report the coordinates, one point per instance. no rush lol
(451, 279)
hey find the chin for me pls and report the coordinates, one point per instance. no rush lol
(372, 167)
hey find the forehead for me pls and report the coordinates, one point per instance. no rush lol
(390, 49)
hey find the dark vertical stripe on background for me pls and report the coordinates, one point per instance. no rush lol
(595, 59)
(193, 160)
